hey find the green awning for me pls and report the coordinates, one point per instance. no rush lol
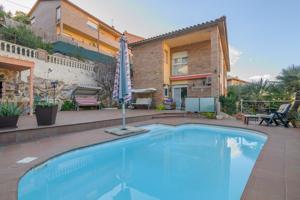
(81, 53)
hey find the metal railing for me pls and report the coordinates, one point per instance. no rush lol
(256, 106)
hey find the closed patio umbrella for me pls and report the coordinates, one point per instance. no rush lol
(122, 83)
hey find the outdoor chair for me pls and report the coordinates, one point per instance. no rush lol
(143, 102)
(86, 101)
(278, 117)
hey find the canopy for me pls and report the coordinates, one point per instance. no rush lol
(86, 90)
(144, 91)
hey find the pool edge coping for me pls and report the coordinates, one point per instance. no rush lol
(141, 133)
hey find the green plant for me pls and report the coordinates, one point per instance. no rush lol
(295, 116)
(209, 115)
(9, 109)
(160, 107)
(25, 37)
(45, 104)
(68, 105)
(290, 78)
(21, 17)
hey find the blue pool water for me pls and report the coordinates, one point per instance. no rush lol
(188, 162)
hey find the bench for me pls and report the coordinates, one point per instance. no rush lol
(143, 102)
(86, 101)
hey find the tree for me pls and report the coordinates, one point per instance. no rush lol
(105, 76)
(21, 17)
(290, 77)
(256, 90)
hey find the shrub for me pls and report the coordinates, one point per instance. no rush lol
(25, 37)
(9, 109)
(209, 115)
(45, 104)
(160, 107)
(68, 105)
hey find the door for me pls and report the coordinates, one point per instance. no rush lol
(179, 95)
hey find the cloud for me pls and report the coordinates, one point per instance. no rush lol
(234, 54)
(258, 77)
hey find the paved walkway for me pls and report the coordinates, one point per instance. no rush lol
(74, 117)
(276, 174)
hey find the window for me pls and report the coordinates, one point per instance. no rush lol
(180, 63)
(1, 85)
(58, 14)
(166, 91)
(206, 81)
(32, 20)
(92, 25)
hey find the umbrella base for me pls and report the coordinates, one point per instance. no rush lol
(128, 130)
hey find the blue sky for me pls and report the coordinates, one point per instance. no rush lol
(264, 35)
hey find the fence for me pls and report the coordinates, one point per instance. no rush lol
(200, 105)
(253, 106)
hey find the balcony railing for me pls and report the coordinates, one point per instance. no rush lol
(21, 52)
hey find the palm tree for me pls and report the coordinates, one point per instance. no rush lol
(256, 90)
(290, 77)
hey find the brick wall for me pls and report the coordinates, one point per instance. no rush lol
(198, 57)
(147, 68)
(199, 62)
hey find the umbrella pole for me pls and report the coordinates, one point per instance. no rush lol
(123, 116)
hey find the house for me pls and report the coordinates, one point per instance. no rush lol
(131, 38)
(62, 21)
(234, 80)
(189, 62)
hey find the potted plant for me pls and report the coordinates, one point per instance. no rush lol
(9, 115)
(297, 119)
(46, 113)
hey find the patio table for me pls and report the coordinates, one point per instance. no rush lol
(247, 118)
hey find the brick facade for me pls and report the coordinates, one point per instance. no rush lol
(148, 68)
(198, 57)
(206, 46)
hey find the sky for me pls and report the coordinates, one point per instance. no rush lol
(264, 35)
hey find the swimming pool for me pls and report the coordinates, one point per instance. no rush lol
(187, 162)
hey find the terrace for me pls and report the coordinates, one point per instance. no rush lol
(275, 175)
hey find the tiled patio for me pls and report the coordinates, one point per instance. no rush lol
(75, 117)
(276, 174)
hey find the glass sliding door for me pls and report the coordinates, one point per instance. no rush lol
(179, 94)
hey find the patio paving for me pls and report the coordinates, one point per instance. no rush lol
(75, 117)
(276, 174)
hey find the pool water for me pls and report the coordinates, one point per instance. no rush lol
(188, 162)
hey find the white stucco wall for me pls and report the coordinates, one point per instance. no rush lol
(67, 74)
(72, 72)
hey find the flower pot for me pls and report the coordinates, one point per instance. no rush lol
(46, 115)
(9, 121)
(297, 123)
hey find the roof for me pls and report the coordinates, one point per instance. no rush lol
(182, 31)
(229, 78)
(132, 38)
(110, 28)
(220, 22)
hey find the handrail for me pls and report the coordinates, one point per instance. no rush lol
(26, 52)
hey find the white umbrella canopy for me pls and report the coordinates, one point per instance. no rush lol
(122, 83)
